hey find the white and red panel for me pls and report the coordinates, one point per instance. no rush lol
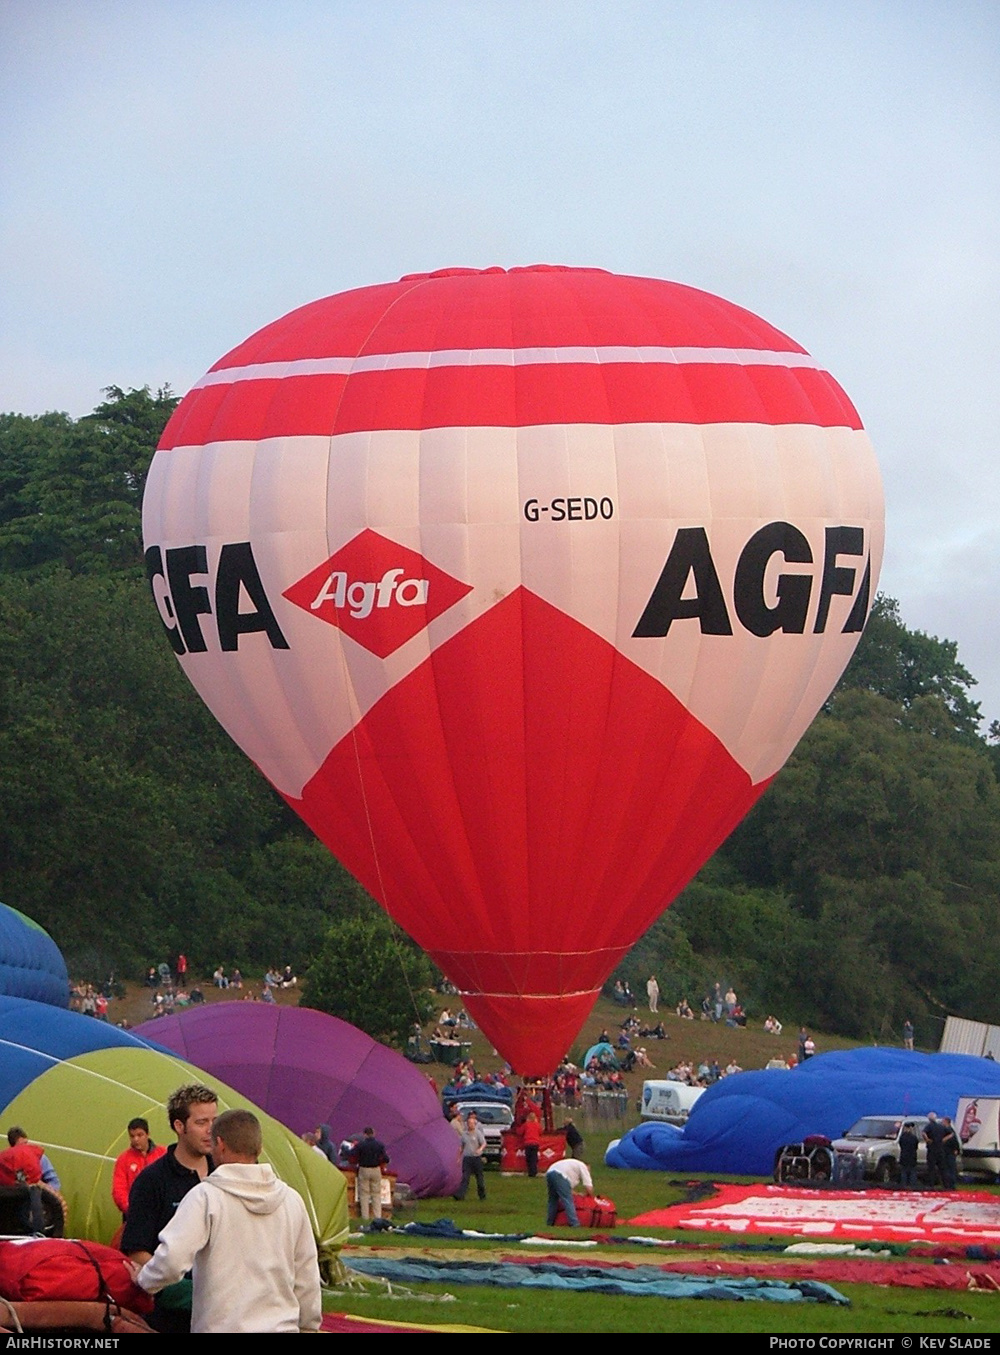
(504, 551)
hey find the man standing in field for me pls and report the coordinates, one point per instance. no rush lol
(473, 1148)
(653, 992)
(371, 1157)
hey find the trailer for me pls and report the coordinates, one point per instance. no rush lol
(669, 1101)
(978, 1123)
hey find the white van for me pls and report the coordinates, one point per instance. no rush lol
(668, 1101)
(977, 1123)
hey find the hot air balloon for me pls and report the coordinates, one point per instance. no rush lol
(519, 586)
(74, 1083)
(306, 1069)
(31, 964)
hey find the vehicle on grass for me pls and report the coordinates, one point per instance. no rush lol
(978, 1123)
(669, 1101)
(870, 1148)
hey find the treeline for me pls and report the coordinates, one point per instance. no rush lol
(864, 888)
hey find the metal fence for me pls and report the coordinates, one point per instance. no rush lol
(605, 1105)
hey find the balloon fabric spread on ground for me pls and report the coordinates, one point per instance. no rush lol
(637, 1282)
(306, 1068)
(74, 1083)
(520, 587)
(31, 964)
(738, 1125)
(854, 1215)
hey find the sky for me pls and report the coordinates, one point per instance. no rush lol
(176, 173)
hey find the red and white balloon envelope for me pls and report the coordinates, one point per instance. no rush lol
(519, 586)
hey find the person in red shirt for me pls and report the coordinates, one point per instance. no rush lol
(141, 1152)
(21, 1163)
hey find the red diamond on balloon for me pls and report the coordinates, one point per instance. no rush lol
(376, 591)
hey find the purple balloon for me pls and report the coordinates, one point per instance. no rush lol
(306, 1069)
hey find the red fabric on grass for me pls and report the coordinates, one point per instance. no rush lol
(856, 1216)
(829, 1270)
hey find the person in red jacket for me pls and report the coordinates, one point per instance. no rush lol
(141, 1152)
(532, 1137)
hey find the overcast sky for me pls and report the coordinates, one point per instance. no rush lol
(173, 175)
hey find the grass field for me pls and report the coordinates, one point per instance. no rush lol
(516, 1204)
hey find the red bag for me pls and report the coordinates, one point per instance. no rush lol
(62, 1268)
(592, 1211)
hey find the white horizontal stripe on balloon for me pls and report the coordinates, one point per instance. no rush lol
(505, 357)
(532, 997)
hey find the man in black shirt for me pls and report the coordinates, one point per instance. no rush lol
(934, 1134)
(950, 1149)
(159, 1189)
(908, 1146)
(574, 1139)
(371, 1157)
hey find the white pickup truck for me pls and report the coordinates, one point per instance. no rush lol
(870, 1148)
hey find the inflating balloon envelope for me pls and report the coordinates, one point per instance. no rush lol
(519, 587)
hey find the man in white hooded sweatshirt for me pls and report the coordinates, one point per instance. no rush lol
(246, 1237)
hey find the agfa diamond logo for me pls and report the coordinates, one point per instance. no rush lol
(378, 592)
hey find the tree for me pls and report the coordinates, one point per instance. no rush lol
(366, 976)
(904, 665)
(884, 830)
(71, 491)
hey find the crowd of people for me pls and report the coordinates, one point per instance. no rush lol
(171, 992)
(718, 1005)
(88, 1000)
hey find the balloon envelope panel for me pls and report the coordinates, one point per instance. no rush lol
(78, 1104)
(31, 964)
(306, 1069)
(519, 586)
(741, 1122)
(35, 1036)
